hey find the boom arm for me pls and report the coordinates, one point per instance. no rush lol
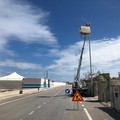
(77, 78)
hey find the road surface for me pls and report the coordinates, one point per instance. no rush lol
(53, 104)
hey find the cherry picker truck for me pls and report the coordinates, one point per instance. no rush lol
(77, 85)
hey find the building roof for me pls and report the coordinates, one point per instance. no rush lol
(12, 77)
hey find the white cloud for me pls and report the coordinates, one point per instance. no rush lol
(23, 22)
(106, 51)
(105, 57)
(19, 65)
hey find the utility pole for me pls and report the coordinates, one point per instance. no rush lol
(46, 74)
(91, 78)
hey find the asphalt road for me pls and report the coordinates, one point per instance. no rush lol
(53, 104)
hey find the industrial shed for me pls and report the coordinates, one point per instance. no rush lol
(31, 83)
(11, 81)
(36, 83)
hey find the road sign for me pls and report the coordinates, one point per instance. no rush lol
(77, 97)
(67, 91)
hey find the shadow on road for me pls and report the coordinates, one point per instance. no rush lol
(114, 114)
(92, 101)
(44, 96)
(72, 109)
(57, 96)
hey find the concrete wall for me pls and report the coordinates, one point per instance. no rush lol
(103, 89)
(95, 86)
(56, 84)
(10, 84)
(95, 92)
(88, 84)
(115, 94)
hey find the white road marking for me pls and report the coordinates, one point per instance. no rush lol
(9, 97)
(59, 92)
(39, 107)
(82, 105)
(31, 113)
(44, 103)
(88, 115)
(50, 98)
(23, 98)
(16, 100)
(10, 101)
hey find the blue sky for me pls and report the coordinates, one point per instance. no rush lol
(43, 35)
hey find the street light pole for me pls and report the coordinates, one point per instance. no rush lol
(91, 78)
